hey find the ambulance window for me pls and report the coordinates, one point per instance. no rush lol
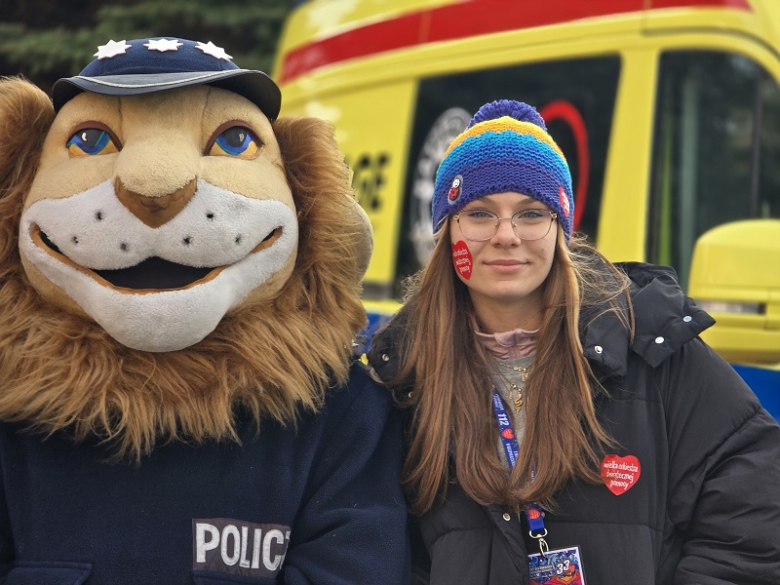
(716, 153)
(576, 98)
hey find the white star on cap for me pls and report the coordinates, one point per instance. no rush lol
(163, 45)
(112, 49)
(213, 50)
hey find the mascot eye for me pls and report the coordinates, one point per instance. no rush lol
(236, 141)
(90, 141)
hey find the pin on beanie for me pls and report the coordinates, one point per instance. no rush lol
(505, 147)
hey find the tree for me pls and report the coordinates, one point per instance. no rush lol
(46, 40)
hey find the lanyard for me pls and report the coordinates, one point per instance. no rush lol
(534, 512)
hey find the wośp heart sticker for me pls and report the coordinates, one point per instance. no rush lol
(461, 258)
(620, 474)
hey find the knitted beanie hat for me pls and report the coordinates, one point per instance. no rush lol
(505, 147)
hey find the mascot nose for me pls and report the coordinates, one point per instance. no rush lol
(155, 211)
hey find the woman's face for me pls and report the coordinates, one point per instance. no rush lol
(504, 269)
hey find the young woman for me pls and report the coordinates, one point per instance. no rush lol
(565, 422)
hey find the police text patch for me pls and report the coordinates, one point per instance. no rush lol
(237, 547)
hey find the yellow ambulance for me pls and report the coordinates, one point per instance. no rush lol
(668, 112)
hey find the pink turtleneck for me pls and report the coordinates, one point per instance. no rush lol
(508, 345)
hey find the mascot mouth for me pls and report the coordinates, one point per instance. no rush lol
(151, 275)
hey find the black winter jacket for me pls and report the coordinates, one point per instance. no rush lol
(703, 509)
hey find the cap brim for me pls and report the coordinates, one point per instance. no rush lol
(254, 85)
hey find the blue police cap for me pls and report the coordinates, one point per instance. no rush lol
(157, 64)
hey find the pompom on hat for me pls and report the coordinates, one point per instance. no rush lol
(505, 147)
(142, 66)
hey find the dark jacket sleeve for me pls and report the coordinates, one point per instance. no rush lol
(724, 484)
(352, 528)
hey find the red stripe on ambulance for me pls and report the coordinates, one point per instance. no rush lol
(463, 20)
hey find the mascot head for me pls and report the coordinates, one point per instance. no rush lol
(170, 250)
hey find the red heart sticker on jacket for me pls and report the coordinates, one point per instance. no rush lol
(620, 474)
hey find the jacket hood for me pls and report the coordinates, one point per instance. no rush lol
(665, 319)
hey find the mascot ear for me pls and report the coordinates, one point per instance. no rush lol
(26, 114)
(320, 183)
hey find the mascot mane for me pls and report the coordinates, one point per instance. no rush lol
(63, 372)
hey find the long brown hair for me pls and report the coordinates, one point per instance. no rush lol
(453, 421)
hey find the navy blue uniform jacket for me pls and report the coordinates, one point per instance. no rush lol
(320, 504)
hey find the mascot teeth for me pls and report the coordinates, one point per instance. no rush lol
(152, 274)
(131, 277)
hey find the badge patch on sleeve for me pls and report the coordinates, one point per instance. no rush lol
(237, 547)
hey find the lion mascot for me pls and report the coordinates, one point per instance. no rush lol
(179, 290)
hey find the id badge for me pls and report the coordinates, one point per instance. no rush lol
(557, 567)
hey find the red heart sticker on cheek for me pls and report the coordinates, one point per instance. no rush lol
(620, 474)
(461, 259)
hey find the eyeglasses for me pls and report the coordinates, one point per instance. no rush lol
(479, 225)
